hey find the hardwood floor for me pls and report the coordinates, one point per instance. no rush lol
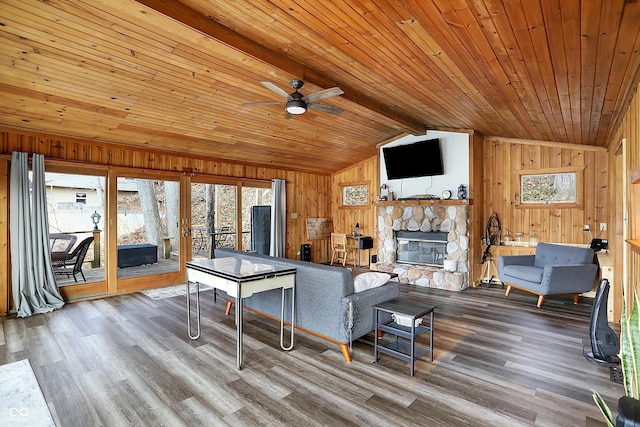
(127, 360)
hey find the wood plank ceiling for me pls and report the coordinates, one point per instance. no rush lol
(170, 75)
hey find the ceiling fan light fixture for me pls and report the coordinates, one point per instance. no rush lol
(296, 106)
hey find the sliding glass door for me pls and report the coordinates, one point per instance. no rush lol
(256, 217)
(75, 209)
(213, 218)
(215, 222)
(137, 225)
(148, 234)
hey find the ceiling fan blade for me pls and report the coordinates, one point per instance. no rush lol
(324, 94)
(288, 115)
(252, 104)
(275, 89)
(326, 108)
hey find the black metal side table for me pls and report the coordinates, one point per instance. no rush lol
(404, 346)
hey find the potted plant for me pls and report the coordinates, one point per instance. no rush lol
(628, 405)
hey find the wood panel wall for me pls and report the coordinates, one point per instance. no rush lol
(308, 194)
(346, 217)
(624, 155)
(504, 158)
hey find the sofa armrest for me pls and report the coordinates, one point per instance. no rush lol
(568, 279)
(358, 308)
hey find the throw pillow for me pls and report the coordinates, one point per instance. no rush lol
(369, 280)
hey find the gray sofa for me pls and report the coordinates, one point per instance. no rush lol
(325, 303)
(553, 270)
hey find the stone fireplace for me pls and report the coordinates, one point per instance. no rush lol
(451, 223)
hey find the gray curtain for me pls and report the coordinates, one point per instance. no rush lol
(33, 285)
(278, 218)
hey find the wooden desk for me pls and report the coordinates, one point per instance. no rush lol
(240, 278)
(362, 242)
(606, 272)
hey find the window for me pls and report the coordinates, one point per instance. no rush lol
(355, 195)
(561, 187)
(81, 198)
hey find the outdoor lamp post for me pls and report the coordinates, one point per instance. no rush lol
(95, 217)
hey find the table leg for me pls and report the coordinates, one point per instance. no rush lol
(239, 344)
(413, 344)
(431, 337)
(293, 318)
(375, 344)
(189, 331)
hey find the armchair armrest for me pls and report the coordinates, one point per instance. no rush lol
(515, 260)
(568, 279)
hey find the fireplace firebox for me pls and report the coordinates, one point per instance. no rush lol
(419, 247)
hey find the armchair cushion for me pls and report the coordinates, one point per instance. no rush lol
(529, 273)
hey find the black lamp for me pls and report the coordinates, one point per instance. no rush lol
(95, 217)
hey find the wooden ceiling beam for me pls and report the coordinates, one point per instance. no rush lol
(193, 19)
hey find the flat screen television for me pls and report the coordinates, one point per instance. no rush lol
(422, 158)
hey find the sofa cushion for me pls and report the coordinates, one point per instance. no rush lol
(529, 273)
(369, 280)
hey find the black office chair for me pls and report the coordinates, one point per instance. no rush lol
(73, 265)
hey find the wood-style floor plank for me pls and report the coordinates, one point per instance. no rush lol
(127, 360)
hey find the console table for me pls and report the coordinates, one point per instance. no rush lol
(240, 278)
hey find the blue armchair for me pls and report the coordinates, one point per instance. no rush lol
(553, 270)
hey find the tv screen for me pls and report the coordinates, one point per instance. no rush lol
(422, 158)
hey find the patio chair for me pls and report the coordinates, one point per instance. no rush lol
(60, 246)
(73, 265)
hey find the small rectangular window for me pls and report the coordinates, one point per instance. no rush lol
(542, 188)
(81, 198)
(355, 195)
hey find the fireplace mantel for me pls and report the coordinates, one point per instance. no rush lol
(425, 202)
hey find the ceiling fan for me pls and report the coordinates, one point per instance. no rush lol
(298, 103)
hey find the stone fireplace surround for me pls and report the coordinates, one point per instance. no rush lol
(453, 219)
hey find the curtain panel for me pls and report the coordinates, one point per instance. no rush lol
(33, 285)
(278, 246)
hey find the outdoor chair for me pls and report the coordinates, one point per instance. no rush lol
(73, 264)
(60, 246)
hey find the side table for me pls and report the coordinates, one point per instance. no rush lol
(404, 346)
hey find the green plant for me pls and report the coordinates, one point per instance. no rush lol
(629, 356)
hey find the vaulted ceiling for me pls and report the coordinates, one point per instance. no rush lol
(171, 75)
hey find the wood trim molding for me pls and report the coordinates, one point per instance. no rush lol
(544, 143)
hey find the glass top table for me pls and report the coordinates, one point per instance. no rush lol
(240, 278)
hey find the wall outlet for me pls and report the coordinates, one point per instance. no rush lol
(586, 227)
(294, 215)
(603, 226)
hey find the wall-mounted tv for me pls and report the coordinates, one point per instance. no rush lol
(422, 158)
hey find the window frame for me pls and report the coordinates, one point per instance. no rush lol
(579, 179)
